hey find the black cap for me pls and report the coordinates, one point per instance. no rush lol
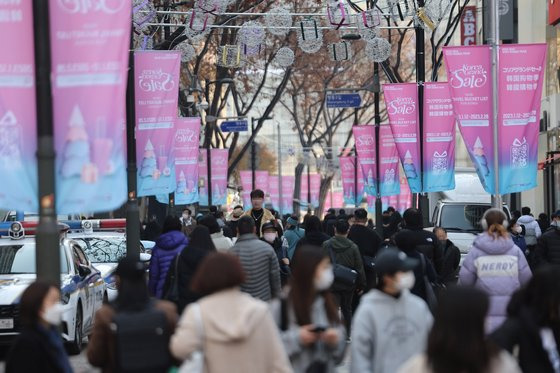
(360, 214)
(391, 260)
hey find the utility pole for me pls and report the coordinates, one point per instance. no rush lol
(377, 118)
(280, 195)
(47, 249)
(253, 155)
(132, 210)
(493, 40)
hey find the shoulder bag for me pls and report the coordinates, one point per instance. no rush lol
(342, 274)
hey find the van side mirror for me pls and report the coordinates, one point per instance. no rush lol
(83, 270)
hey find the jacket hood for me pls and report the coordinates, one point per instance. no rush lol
(171, 240)
(232, 315)
(526, 219)
(492, 245)
(340, 244)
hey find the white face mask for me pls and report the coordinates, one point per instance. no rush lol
(406, 281)
(325, 279)
(53, 314)
(269, 237)
(517, 229)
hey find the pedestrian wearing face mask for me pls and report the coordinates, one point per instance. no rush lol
(307, 316)
(451, 258)
(516, 232)
(271, 235)
(39, 347)
(548, 245)
(391, 325)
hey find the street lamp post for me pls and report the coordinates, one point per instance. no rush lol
(377, 118)
(48, 237)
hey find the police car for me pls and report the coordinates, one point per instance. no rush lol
(82, 288)
(104, 242)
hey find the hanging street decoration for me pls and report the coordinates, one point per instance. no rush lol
(378, 49)
(284, 57)
(252, 33)
(196, 25)
(340, 51)
(143, 12)
(310, 36)
(229, 56)
(367, 23)
(278, 21)
(338, 13)
(188, 53)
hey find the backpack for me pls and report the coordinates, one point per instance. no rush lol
(530, 235)
(142, 341)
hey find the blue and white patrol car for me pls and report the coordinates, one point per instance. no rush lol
(82, 287)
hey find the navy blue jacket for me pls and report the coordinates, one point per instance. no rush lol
(168, 245)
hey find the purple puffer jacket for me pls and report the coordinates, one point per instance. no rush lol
(497, 266)
(168, 245)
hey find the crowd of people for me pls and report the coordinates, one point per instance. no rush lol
(256, 292)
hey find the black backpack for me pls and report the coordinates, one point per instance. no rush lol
(142, 341)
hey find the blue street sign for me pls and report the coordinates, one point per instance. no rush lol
(343, 100)
(234, 125)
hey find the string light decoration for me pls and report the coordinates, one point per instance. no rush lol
(278, 20)
(310, 36)
(284, 57)
(338, 13)
(196, 25)
(212, 6)
(252, 33)
(143, 12)
(368, 23)
(229, 56)
(188, 53)
(340, 51)
(251, 50)
(378, 49)
(431, 15)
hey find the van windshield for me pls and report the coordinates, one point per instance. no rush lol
(463, 218)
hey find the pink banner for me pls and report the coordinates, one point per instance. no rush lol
(187, 134)
(349, 177)
(364, 138)
(439, 138)
(219, 161)
(469, 75)
(371, 204)
(402, 107)
(274, 192)
(315, 189)
(287, 201)
(304, 190)
(261, 181)
(246, 177)
(388, 163)
(18, 122)
(89, 45)
(334, 200)
(156, 94)
(520, 88)
(393, 200)
(405, 198)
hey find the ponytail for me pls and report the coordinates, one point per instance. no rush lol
(498, 230)
(495, 221)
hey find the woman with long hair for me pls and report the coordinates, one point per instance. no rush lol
(314, 234)
(200, 245)
(456, 343)
(39, 346)
(533, 323)
(495, 265)
(311, 330)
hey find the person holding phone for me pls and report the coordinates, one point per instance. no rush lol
(307, 315)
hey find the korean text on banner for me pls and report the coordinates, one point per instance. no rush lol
(401, 100)
(18, 129)
(364, 138)
(469, 75)
(439, 138)
(185, 148)
(156, 75)
(288, 186)
(261, 181)
(219, 176)
(246, 177)
(89, 77)
(273, 191)
(388, 163)
(520, 77)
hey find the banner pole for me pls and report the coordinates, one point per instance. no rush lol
(377, 117)
(280, 195)
(132, 209)
(494, 40)
(47, 236)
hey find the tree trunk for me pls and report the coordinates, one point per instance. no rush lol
(323, 193)
(297, 188)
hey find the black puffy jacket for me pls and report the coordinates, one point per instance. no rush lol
(548, 247)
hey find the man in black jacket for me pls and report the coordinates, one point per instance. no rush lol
(451, 258)
(368, 242)
(425, 242)
(548, 245)
(329, 221)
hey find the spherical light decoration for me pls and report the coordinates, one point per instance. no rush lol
(143, 42)
(252, 33)
(378, 49)
(284, 57)
(338, 13)
(197, 25)
(340, 51)
(143, 12)
(311, 46)
(367, 26)
(188, 53)
(308, 30)
(278, 20)
(212, 6)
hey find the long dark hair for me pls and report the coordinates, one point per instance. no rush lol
(200, 238)
(32, 300)
(302, 287)
(133, 292)
(457, 342)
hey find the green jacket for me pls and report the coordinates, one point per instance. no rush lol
(346, 253)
